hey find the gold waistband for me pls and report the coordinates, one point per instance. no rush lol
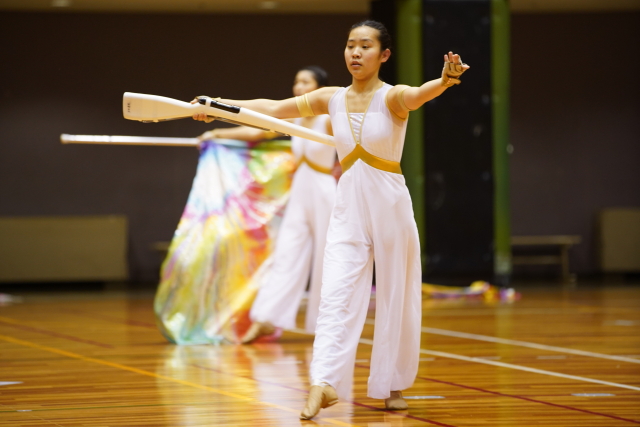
(370, 159)
(316, 167)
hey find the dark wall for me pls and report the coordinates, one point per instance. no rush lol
(575, 109)
(66, 73)
(575, 123)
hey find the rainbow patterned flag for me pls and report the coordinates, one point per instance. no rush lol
(222, 247)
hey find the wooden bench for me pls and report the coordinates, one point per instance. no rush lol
(560, 257)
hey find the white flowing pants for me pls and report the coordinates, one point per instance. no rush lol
(372, 220)
(299, 252)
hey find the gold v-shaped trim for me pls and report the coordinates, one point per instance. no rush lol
(373, 161)
(346, 104)
(316, 167)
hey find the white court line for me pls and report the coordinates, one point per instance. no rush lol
(488, 338)
(517, 367)
(502, 365)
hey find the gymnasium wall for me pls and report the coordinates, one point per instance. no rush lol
(575, 124)
(574, 112)
(66, 73)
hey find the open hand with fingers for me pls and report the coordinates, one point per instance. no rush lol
(453, 69)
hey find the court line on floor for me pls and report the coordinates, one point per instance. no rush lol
(435, 331)
(106, 407)
(19, 325)
(113, 319)
(370, 342)
(507, 365)
(516, 367)
(515, 396)
(529, 399)
(159, 376)
(353, 402)
(281, 385)
(489, 338)
(35, 418)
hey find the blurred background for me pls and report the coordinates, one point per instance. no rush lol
(572, 142)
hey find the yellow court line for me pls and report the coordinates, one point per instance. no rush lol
(13, 322)
(160, 376)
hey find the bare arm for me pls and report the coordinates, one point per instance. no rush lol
(414, 97)
(244, 133)
(283, 109)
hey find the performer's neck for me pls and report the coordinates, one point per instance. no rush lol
(365, 86)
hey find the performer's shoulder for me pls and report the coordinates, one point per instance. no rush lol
(321, 98)
(327, 91)
(388, 86)
(391, 91)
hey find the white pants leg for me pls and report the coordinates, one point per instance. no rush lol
(296, 256)
(322, 207)
(396, 340)
(372, 214)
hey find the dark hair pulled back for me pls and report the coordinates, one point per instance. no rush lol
(383, 34)
(319, 74)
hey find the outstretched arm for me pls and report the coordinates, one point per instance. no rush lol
(402, 99)
(244, 133)
(283, 109)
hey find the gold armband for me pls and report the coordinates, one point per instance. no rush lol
(401, 99)
(303, 106)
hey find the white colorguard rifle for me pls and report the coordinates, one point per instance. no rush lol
(154, 109)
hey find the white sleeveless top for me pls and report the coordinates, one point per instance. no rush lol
(320, 154)
(382, 133)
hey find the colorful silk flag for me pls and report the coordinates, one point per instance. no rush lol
(224, 240)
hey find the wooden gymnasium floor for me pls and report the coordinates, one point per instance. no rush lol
(554, 358)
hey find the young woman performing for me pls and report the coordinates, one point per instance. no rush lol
(299, 248)
(372, 220)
